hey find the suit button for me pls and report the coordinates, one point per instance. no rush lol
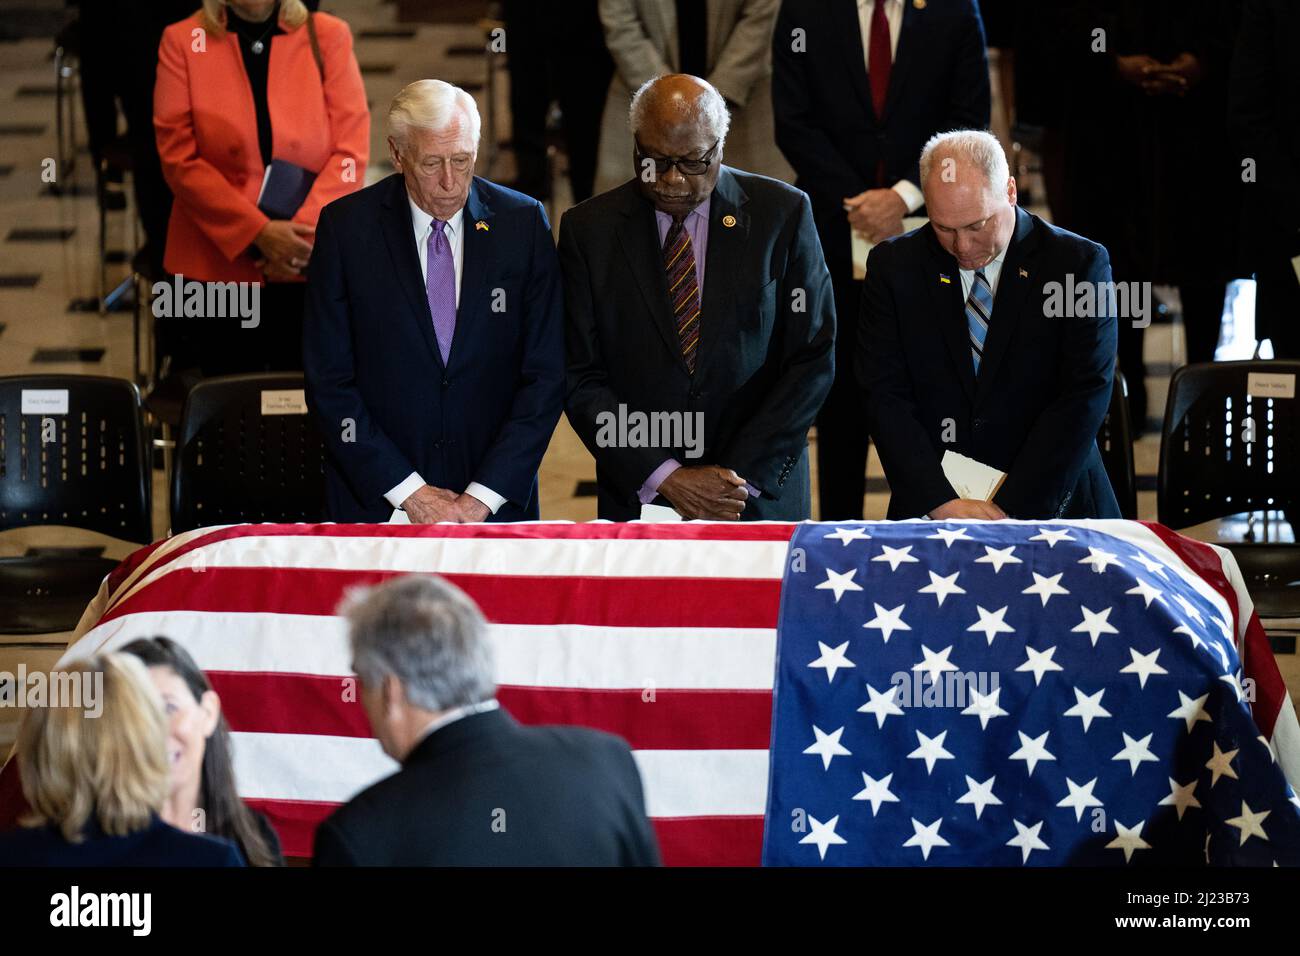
(978, 424)
(437, 444)
(446, 383)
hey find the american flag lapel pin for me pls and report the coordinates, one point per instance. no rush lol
(1024, 273)
(481, 225)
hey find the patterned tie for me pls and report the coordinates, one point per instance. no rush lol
(683, 289)
(979, 306)
(440, 284)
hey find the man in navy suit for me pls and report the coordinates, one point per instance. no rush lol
(858, 86)
(989, 333)
(433, 341)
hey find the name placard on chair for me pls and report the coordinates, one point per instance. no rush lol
(1270, 384)
(284, 401)
(45, 401)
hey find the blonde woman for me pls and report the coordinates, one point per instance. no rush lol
(95, 773)
(243, 83)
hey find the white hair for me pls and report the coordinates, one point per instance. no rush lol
(428, 634)
(710, 106)
(431, 105)
(977, 147)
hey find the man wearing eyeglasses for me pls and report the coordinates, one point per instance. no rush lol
(697, 303)
(433, 342)
(967, 348)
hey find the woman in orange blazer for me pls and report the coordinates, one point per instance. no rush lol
(242, 82)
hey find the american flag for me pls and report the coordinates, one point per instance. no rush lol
(662, 634)
(1017, 693)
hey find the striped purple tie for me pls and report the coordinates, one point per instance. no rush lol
(683, 290)
(441, 287)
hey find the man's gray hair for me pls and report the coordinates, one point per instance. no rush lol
(431, 105)
(428, 634)
(977, 147)
(709, 107)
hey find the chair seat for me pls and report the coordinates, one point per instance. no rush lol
(46, 595)
(1272, 575)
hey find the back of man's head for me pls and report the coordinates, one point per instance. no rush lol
(429, 635)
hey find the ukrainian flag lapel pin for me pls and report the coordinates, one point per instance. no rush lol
(481, 225)
(944, 279)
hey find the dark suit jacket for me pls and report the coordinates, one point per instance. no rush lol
(825, 122)
(372, 360)
(487, 791)
(766, 353)
(159, 844)
(1043, 387)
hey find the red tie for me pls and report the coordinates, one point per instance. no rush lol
(881, 58)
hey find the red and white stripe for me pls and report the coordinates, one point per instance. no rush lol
(663, 634)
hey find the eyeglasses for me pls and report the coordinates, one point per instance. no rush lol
(687, 167)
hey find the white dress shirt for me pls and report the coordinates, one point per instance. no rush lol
(905, 188)
(992, 272)
(422, 223)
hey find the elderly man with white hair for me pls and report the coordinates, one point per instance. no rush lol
(697, 300)
(433, 341)
(987, 334)
(475, 787)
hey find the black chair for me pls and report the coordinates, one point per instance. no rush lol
(1115, 441)
(72, 455)
(247, 454)
(1224, 451)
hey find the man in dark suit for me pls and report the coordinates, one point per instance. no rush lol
(1264, 114)
(475, 787)
(433, 338)
(700, 323)
(857, 89)
(991, 334)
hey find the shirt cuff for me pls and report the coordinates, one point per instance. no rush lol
(753, 492)
(409, 486)
(910, 194)
(647, 492)
(483, 493)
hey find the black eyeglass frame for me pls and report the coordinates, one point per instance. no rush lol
(684, 165)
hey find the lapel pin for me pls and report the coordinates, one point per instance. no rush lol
(944, 279)
(919, 4)
(1024, 273)
(728, 221)
(481, 225)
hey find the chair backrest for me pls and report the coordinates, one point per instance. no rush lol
(247, 451)
(1115, 440)
(73, 452)
(1230, 442)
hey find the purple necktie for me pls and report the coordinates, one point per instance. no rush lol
(441, 287)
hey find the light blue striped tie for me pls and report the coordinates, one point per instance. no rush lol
(979, 306)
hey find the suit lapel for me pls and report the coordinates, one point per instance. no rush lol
(638, 235)
(1008, 303)
(399, 234)
(950, 308)
(480, 261)
(722, 263)
(847, 27)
